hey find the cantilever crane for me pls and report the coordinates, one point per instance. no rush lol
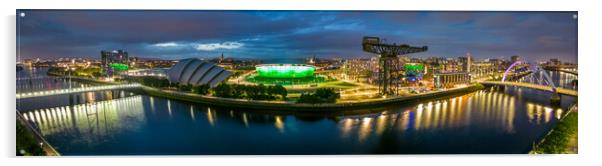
(388, 60)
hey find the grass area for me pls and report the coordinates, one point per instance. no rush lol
(26, 143)
(336, 85)
(288, 81)
(562, 139)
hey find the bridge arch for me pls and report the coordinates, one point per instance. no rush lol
(547, 77)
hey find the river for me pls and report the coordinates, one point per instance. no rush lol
(128, 123)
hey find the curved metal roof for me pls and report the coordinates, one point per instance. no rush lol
(194, 71)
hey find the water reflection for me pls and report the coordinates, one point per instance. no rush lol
(494, 108)
(211, 117)
(539, 114)
(279, 124)
(91, 121)
(118, 122)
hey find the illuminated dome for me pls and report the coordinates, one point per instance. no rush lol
(284, 71)
(196, 72)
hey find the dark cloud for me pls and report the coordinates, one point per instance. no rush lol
(294, 34)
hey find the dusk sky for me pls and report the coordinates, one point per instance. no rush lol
(294, 34)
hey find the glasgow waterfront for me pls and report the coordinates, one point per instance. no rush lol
(191, 82)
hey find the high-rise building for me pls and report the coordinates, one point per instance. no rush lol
(554, 61)
(116, 60)
(515, 58)
(466, 62)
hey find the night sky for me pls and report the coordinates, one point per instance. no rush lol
(294, 34)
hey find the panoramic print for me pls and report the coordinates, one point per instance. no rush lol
(253, 82)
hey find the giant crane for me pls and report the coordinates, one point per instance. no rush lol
(388, 61)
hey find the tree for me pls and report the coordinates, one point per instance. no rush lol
(201, 89)
(322, 95)
(222, 90)
(96, 74)
(254, 92)
(185, 88)
(280, 90)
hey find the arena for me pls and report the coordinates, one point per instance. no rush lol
(285, 70)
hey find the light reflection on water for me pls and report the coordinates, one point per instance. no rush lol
(91, 120)
(487, 121)
(79, 129)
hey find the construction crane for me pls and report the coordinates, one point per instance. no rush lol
(388, 76)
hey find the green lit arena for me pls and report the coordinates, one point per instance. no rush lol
(285, 71)
(285, 74)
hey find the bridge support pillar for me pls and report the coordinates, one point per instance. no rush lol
(555, 99)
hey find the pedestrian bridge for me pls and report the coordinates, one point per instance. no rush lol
(36, 77)
(567, 71)
(77, 90)
(562, 91)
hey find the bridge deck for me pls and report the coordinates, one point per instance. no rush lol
(76, 90)
(563, 91)
(568, 71)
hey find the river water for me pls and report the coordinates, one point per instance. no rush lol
(127, 123)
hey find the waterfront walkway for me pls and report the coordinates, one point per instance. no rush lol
(563, 91)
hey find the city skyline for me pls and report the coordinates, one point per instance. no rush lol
(536, 36)
(212, 82)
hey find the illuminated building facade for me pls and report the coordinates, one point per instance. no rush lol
(360, 70)
(413, 71)
(482, 69)
(449, 80)
(114, 61)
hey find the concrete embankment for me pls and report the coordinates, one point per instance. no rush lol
(307, 108)
(291, 107)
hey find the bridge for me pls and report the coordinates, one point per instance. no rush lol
(548, 84)
(571, 69)
(77, 90)
(36, 77)
(559, 90)
(564, 71)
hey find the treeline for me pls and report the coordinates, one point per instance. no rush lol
(89, 72)
(150, 81)
(322, 95)
(254, 92)
(197, 89)
(164, 83)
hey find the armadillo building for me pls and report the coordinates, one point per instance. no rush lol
(194, 71)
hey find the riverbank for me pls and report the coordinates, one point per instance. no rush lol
(83, 79)
(307, 108)
(30, 142)
(292, 107)
(562, 139)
